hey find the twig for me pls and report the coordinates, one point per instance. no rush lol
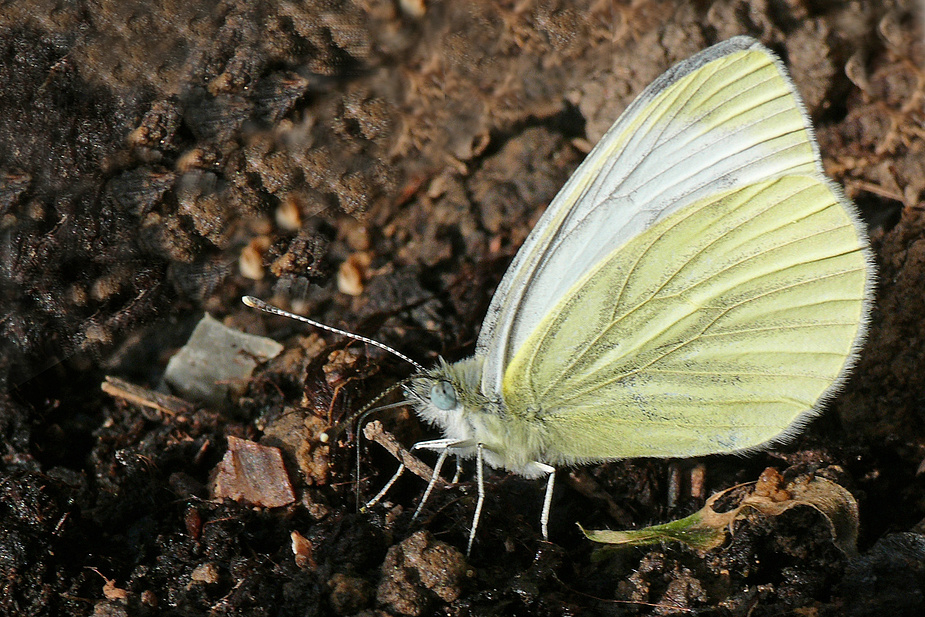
(374, 432)
(163, 403)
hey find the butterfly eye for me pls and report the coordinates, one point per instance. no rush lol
(443, 395)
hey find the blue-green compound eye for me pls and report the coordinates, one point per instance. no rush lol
(443, 395)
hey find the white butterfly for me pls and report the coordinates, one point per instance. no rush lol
(698, 286)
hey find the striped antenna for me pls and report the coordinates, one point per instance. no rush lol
(257, 303)
(367, 409)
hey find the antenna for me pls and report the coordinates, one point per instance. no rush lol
(367, 409)
(257, 303)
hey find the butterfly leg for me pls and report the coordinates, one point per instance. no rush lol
(433, 480)
(436, 444)
(385, 489)
(547, 498)
(458, 471)
(478, 505)
(444, 445)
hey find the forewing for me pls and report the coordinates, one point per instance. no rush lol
(727, 117)
(717, 329)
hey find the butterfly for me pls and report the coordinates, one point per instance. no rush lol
(698, 286)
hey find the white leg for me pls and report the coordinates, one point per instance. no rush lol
(433, 480)
(440, 444)
(542, 468)
(433, 444)
(444, 446)
(547, 502)
(480, 478)
(385, 489)
(458, 471)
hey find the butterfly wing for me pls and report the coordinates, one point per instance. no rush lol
(725, 118)
(715, 330)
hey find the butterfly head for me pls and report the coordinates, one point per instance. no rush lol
(447, 395)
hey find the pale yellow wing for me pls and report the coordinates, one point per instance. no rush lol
(725, 118)
(717, 329)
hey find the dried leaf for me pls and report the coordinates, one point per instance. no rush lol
(706, 529)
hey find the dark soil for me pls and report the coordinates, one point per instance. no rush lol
(160, 159)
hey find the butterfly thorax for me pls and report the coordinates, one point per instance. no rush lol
(508, 442)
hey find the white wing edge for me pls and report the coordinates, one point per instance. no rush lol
(870, 287)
